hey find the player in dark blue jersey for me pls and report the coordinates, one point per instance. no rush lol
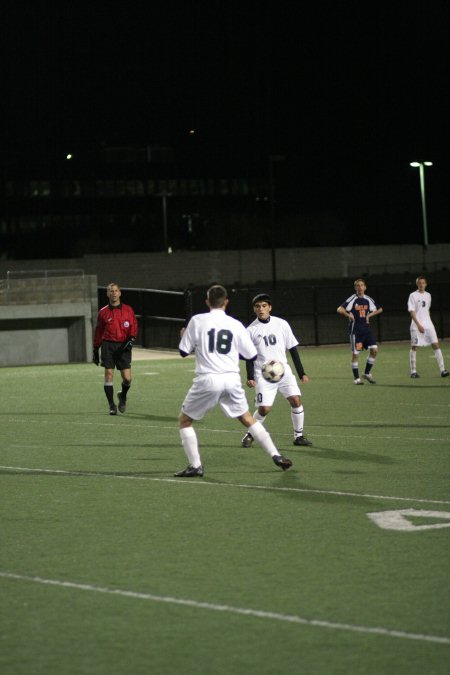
(358, 309)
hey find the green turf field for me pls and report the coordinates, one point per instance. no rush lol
(109, 565)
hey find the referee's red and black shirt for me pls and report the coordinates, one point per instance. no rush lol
(116, 324)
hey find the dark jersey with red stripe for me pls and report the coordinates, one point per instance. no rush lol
(116, 324)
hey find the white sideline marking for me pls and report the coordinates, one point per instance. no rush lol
(174, 428)
(260, 614)
(246, 486)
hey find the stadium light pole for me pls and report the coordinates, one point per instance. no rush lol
(421, 166)
(164, 196)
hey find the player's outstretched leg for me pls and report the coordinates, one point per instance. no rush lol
(283, 462)
(264, 439)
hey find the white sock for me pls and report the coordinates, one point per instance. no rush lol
(190, 445)
(298, 418)
(262, 437)
(412, 360)
(440, 360)
(258, 417)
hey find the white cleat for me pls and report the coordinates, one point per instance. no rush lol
(369, 378)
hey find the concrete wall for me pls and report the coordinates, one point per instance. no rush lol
(39, 325)
(182, 269)
(34, 346)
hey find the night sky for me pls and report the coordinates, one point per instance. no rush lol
(347, 92)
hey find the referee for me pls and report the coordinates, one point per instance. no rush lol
(115, 333)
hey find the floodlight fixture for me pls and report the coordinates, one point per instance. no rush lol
(421, 166)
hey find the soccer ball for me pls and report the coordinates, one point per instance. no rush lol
(272, 371)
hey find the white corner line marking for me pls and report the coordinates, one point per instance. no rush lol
(398, 520)
(260, 614)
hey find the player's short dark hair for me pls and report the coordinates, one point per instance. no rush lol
(262, 297)
(216, 296)
(421, 277)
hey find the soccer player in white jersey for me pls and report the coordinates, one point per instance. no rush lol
(423, 332)
(272, 337)
(218, 340)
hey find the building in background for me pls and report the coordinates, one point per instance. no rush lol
(129, 198)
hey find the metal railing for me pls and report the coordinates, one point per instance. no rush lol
(311, 311)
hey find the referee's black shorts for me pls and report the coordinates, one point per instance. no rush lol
(113, 355)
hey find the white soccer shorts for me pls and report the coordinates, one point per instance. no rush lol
(209, 390)
(267, 391)
(423, 339)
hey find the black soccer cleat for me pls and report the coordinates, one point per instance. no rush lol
(283, 462)
(113, 409)
(190, 472)
(445, 373)
(415, 376)
(247, 441)
(301, 440)
(122, 402)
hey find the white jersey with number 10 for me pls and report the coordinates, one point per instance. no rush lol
(271, 339)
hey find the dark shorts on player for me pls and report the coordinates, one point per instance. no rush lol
(113, 355)
(361, 337)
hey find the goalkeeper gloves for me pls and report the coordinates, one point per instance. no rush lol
(96, 356)
(129, 344)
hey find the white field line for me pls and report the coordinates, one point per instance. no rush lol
(205, 483)
(260, 614)
(174, 428)
(410, 405)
